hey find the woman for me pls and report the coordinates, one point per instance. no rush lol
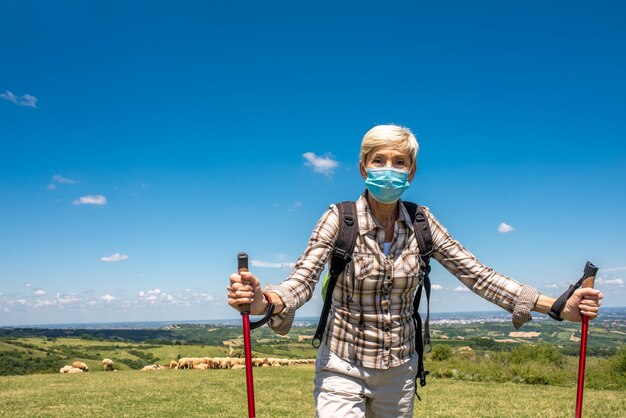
(366, 365)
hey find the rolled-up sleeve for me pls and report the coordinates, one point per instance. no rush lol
(298, 287)
(515, 297)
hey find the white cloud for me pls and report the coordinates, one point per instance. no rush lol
(461, 289)
(552, 286)
(52, 186)
(91, 200)
(610, 282)
(155, 296)
(21, 301)
(437, 287)
(39, 292)
(43, 303)
(296, 205)
(266, 264)
(612, 269)
(321, 164)
(504, 228)
(24, 100)
(67, 299)
(107, 298)
(114, 258)
(57, 178)
(205, 296)
(28, 285)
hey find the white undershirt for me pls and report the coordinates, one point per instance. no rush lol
(386, 248)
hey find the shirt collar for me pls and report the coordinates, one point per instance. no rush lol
(366, 220)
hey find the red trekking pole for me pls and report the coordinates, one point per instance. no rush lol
(590, 276)
(242, 265)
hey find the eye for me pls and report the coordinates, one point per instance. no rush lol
(400, 162)
(377, 161)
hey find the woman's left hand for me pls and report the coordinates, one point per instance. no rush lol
(584, 302)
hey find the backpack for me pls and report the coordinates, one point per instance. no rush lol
(342, 255)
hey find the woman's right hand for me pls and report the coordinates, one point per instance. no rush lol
(245, 289)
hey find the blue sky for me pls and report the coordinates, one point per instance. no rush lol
(144, 145)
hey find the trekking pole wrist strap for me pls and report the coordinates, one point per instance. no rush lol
(559, 304)
(268, 314)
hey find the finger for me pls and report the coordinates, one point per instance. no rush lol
(243, 292)
(235, 278)
(235, 302)
(594, 309)
(589, 302)
(591, 315)
(240, 299)
(251, 280)
(588, 293)
(247, 276)
(240, 286)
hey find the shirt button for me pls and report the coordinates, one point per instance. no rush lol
(387, 348)
(386, 329)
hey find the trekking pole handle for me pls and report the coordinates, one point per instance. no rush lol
(242, 265)
(590, 275)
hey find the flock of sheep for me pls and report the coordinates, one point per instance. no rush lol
(205, 363)
(201, 363)
(80, 367)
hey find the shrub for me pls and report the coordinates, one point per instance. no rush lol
(441, 352)
(618, 363)
(545, 354)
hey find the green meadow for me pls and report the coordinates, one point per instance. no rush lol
(477, 370)
(280, 392)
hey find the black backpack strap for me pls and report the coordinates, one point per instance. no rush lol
(341, 256)
(424, 239)
(425, 243)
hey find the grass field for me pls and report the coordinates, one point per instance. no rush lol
(280, 392)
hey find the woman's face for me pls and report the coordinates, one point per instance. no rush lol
(384, 157)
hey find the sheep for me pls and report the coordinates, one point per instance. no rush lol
(185, 363)
(107, 364)
(149, 368)
(259, 362)
(65, 369)
(80, 365)
(173, 364)
(75, 370)
(202, 366)
(238, 362)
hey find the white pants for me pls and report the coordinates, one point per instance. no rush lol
(343, 390)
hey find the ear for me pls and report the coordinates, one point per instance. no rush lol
(362, 170)
(412, 172)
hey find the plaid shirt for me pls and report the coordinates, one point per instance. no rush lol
(371, 318)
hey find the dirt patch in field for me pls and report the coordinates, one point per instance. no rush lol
(520, 334)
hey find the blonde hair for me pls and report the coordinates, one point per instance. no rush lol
(390, 136)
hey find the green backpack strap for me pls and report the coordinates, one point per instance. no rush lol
(341, 256)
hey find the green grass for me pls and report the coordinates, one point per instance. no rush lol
(280, 392)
